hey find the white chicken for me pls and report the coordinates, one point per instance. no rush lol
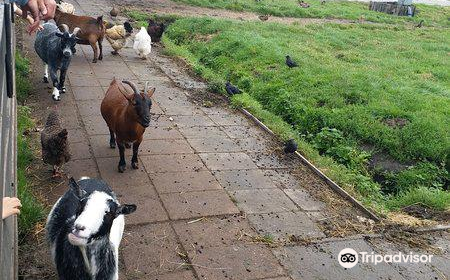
(66, 7)
(142, 43)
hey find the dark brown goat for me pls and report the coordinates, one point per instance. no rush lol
(127, 115)
(91, 32)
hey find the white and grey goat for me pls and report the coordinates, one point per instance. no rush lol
(56, 49)
(84, 230)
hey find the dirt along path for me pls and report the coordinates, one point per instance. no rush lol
(170, 7)
(216, 198)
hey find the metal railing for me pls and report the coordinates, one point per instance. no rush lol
(8, 142)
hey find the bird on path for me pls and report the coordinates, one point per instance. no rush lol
(264, 17)
(290, 146)
(231, 90)
(290, 63)
(114, 12)
(420, 24)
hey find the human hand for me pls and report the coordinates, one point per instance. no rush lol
(11, 206)
(39, 10)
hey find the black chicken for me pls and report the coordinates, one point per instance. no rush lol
(420, 24)
(290, 62)
(155, 30)
(55, 147)
(231, 90)
(290, 146)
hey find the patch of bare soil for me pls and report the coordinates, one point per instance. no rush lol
(424, 212)
(396, 122)
(169, 7)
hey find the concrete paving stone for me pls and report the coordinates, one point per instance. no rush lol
(304, 200)
(242, 132)
(237, 262)
(159, 132)
(263, 201)
(88, 93)
(198, 204)
(76, 136)
(150, 250)
(172, 163)
(253, 144)
(80, 150)
(166, 146)
(171, 97)
(228, 161)
(89, 107)
(202, 132)
(80, 168)
(216, 110)
(243, 179)
(417, 271)
(79, 70)
(162, 121)
(100, 147)
(131, 177)
(214, 145)
(283, 179)
(183, 110)
(268, 160)
(149, 207)
(213, 232)
(230, 119)
(184, 182)
(156, 109)
(179, 275)
(95, 125)
(319, 261)
(198, 120)
(83, 80)
(283, 225)
(105, 82)
(279, 278)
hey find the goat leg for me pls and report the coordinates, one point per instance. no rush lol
(62, 79)
(94, 48)
(54, 77)
(100, 46)
(112, 139)
(122, 163)
(134, 159)
(46, 73)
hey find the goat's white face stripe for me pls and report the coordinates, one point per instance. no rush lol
(68, 50)
(92, 216)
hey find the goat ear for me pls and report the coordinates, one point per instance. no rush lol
(126, 209)
(79, 193)
(150, 92)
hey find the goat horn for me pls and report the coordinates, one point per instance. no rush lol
(145, 89)
(132, 85)
(65, 27)
(75, 31)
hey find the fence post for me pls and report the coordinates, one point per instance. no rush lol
(8, 143)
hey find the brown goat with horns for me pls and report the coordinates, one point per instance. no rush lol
(127, 115)
(92, 30)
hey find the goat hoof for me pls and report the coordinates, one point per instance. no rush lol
(114, 53)
(63, 90)
(94, 61)
(127, 145)
(112, 145)
(56, 98)
(100, 57)
(135, 165)
(121, 168)
(45, 80)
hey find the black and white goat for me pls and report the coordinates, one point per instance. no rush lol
(56, 49)
(84, 229)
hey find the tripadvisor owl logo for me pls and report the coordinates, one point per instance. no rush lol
(348, 258)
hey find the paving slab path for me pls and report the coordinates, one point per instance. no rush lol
(216, 199)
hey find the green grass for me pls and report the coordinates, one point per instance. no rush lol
(432, 15)
(351, 79)
(32, 210)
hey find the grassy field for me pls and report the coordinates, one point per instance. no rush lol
(331, 9)
(385, 87)
(32, 210)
